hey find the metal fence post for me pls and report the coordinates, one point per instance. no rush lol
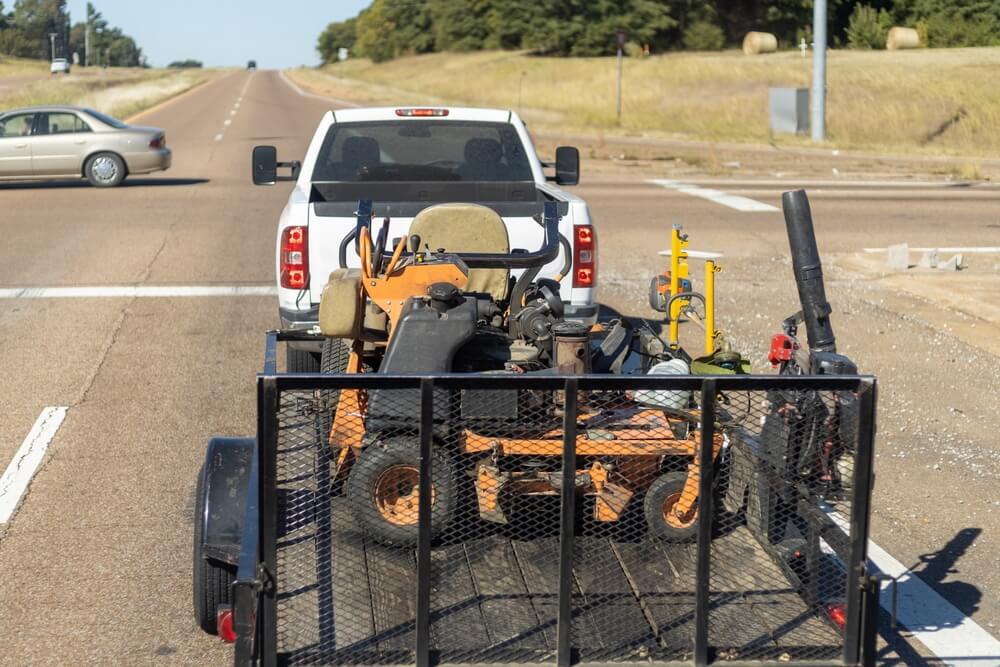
(423, 658)
(268, 400)
(860, 515)
(564, 621)
(702, 568)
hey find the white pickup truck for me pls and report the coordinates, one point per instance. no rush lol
(404, 160)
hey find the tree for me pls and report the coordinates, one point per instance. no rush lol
(185, 64)
(391, 28)
(460, 25)
(868, 28)
(336, 36)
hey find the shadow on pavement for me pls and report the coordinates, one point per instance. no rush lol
(128, 183)
(932, 569)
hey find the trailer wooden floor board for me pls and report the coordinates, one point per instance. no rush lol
(493, 593)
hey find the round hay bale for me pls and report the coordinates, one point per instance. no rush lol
(756, 43)
(902, 38)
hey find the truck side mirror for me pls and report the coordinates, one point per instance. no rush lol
(265, 165)
(567, 165)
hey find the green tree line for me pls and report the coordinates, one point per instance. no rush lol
(390, 28)
(42, 29)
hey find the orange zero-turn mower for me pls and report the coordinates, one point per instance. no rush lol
(457, 308)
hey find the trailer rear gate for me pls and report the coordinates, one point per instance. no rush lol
(325, 593)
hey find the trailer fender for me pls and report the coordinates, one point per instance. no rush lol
(224, 488)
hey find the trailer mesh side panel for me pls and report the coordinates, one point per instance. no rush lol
(347, 496)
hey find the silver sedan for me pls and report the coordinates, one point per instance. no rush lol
(62, 141)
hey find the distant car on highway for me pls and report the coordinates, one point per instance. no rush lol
(63, 141)
(251, 64)
(59, 66)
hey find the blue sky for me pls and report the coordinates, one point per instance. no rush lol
(223, 32)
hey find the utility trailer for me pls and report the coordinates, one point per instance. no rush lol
(777, 575)
(531, 510)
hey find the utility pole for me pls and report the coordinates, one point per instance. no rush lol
(52, 41)
(86, 43)
(818, 121)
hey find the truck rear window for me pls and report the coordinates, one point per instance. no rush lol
(422, 150)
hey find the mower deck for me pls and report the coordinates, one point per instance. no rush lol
(495, 598)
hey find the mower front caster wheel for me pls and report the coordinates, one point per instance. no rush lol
(384, 493)
(661, 511)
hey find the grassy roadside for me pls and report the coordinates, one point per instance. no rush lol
(928, 102)
(121, 92)
(18, 66)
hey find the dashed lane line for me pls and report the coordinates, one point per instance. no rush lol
(140, 291)
(17, 477)
(744, 204)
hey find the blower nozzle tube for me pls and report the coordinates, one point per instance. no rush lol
(808, 271)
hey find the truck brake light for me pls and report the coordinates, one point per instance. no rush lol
(421, 112)
(584, 256)
(295, 258)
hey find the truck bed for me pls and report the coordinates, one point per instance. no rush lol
(494, 598)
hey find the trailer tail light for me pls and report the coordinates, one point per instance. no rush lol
(295, 258)
(224, 624)
(837, 614)
(584, 256)
(409, 113)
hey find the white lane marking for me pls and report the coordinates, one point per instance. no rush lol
(233, 112)
(218, 137)
(294, 86)
(130, 291)
(983, 249)
(744, 204)
(227, 122)
(29, 455)
(953, 637)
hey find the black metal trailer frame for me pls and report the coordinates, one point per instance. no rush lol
(255, 590)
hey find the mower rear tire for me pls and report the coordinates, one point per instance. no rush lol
(661, 497)
(336, 353)
(212, 581)
(301, 361)
(384, 496)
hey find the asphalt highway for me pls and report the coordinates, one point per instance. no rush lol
(95, 562)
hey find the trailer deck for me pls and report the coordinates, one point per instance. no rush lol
(495, 598)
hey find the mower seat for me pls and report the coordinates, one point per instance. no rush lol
(467, 228)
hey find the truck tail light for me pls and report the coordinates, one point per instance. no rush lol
(584, 256)
(295, 258)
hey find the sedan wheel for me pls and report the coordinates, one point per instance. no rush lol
(105, 170)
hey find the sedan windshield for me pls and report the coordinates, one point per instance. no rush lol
(422, 150)
(106, 119)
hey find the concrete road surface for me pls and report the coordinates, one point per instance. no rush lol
(95, 561)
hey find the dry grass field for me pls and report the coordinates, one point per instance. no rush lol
(118, 91)
(938, 102)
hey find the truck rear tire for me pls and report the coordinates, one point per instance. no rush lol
(657, 507)
(212, 581)
(384, 496)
